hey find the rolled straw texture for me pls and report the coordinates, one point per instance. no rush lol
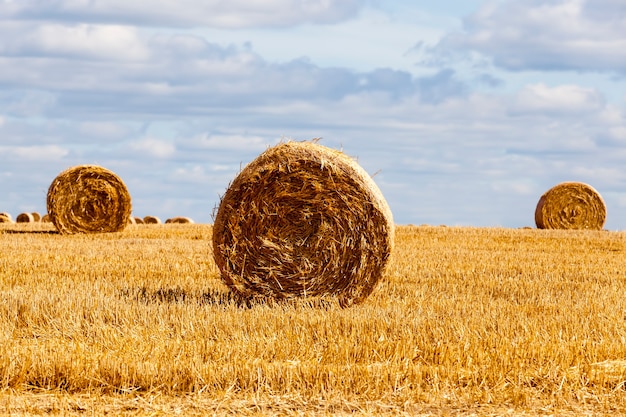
(25, 218)
(88, 199)
(179, 220)
(303, 220)
(571, 205)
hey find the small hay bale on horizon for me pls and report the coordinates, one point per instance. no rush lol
(179, 220)
(6, 218)
(571, 205)
(303, 220)
(36, 216)
(88, 199)
(138, 220)
(45, 218)
(25, 218)
(151, 220)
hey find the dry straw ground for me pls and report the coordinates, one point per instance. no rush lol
(466, 321)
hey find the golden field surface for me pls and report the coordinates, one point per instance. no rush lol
(467, 321)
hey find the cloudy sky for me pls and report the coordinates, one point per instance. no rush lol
(464, 111)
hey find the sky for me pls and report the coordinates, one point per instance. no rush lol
(464, 111)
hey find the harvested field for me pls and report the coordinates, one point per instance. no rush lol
(465, 321)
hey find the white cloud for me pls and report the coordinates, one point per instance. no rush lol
(215, 13)
(226, 142)
(94, 41)
(584, 35)
(153, 147)
(564, 100)
(35, 153)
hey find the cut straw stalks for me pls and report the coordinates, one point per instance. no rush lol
(571, 205)
(88, 199)
(303, 220)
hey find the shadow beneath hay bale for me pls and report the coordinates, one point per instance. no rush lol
(30, 232)
(179, 295)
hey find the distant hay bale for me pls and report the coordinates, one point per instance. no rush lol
(179, 220)
(138, 220)
(131, 220)
(571, 205)
(25, 218)
(303, 220)
(45, 218)
(151, 220)
(36, 216)
(6, 218)
(88, 199)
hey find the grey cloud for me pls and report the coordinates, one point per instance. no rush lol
(180, 75)
(185, 13)
(544, 35)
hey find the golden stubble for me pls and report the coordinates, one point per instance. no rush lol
(464, 319)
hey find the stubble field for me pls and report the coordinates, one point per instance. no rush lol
(467, 321)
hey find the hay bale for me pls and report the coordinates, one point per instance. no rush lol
(151, 220)
(45, 218)
(571, 205)
(138, 220)
(303, 220)
(25, 218)
(36, 216)
(179, 220)
(88, 199)
(6, 218)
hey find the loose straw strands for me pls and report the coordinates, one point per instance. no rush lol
(571, 205)
(303, 220)
(88, 199)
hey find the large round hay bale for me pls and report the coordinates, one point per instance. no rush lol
(36, 216)
(303, 220)
(151, 220)
(571, 205)
(25, 218)
(88, 199)
(179, 220)
(6, 218)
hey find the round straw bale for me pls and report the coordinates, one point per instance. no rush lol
(88, 199)
(303, 220)
(25, 218)
(45, 218)
(138, 220)
(571, 205)
(180, 220)
(36, 216)
(6, 218)
(151, 220)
